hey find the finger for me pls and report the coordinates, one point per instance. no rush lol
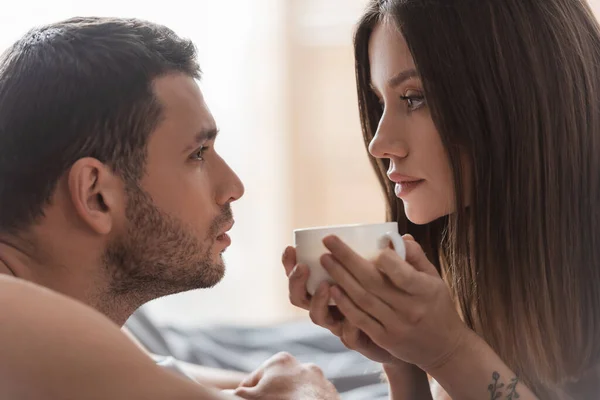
(247, 393)
(283, 358)
(346, 256)
(362, 270)
(350, 336)
(297, 286)
(401, 274)
(253, 379)
(357, 317)
(288, 258)
(355, 339)
(319, 310)
(416, 257)
(280, 359)
(368, 301)
(408, 236)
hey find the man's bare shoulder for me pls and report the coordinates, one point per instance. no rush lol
(53, 347)
(28, 294)
(35, 304)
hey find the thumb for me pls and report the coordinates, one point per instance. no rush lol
(288, 259)
(253, 379)
(246, 393)
(408, 236)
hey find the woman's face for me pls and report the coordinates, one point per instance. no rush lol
(406, 134)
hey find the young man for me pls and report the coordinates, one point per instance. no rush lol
(111, 194)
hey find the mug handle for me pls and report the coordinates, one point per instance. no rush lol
(396, 241)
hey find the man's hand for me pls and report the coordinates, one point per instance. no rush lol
(282, 377)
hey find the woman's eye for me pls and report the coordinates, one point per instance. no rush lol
(414, 102)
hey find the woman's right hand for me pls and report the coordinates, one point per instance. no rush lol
(406, 381)
(328, 316)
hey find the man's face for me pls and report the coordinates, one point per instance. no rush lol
(177, 215)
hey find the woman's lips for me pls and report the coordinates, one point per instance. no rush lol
(404, 188)
(405, 184)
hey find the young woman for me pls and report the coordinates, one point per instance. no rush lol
(483, 120)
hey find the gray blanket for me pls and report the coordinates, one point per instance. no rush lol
(244, 349)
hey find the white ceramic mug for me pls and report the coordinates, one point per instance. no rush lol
(366, 240)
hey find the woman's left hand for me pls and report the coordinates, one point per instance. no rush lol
(403, 306)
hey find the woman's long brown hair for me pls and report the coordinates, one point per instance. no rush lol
(514, 85)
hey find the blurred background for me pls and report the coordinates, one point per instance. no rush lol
(279, 79)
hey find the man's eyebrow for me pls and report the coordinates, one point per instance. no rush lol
(207, 134)
(202, 136)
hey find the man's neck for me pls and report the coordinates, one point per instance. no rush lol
(5, 270)
(77, 283)
(15, 259)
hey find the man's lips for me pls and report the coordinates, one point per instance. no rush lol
(226, 229)
(223, 237)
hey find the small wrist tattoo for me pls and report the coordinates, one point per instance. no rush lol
(512, 388)
(496, 388)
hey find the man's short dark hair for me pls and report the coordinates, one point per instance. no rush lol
(79, 88)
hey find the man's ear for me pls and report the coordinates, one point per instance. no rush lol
(96, 193)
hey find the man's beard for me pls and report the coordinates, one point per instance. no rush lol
(159, 255)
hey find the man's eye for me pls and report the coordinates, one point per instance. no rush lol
(199, 155)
